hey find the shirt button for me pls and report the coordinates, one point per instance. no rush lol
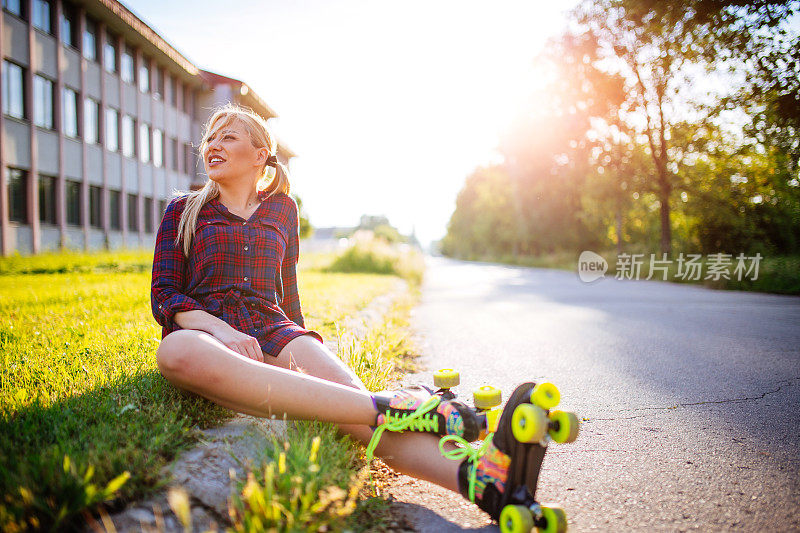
(246, 248)
(245, 278)
(244, 223)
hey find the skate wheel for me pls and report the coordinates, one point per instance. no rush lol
(516, 519)
(564, 426)
(446, 378)
(529, 423)
(545, 395)
(493, 419)
(555, 520)
(487, 397)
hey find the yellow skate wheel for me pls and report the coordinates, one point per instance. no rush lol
(446, 378)
(545, 395)
(564, 426)
(493, 419)
(516, 519)
(556, 520)
(529, 423)
(487, 397)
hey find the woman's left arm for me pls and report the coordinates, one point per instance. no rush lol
(291, 298)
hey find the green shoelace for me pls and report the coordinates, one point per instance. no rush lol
(400, 424)
(466, 451)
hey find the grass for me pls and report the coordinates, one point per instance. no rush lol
(316, 480)
(81, 398)
(777, 274)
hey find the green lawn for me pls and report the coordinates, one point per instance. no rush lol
(81, 399)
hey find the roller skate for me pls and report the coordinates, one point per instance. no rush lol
(420, 408)
(501, 475)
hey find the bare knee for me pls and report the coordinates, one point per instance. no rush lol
(174, 352)
(306, 354)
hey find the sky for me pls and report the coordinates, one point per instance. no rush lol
(388, 105)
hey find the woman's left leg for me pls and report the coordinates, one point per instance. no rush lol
(415, 454)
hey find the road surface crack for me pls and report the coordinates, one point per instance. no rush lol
(780, 386)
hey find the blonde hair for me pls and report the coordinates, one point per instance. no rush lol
(256, 127)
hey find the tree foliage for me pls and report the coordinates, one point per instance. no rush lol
(663, 125)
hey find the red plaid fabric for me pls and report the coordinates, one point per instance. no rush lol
(242, 271)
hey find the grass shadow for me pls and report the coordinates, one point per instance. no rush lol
(136, 424)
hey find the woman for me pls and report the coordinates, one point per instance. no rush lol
(225, 291)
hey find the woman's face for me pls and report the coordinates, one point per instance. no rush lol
(230, 156)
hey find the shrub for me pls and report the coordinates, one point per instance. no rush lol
(378, 257)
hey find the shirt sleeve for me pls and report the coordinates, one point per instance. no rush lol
(169, 271)
(291, 298)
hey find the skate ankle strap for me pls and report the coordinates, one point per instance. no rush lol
(466, 452)
(399, 424)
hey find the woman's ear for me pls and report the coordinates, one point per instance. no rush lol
(263, 154)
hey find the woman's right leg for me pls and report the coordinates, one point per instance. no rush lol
(196, 361)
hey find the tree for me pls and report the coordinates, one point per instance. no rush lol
(653, 47)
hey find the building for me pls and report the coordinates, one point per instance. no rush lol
(100, 120)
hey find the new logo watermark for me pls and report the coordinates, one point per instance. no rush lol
(687, 267)
(591, 266)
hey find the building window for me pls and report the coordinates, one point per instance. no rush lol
(148, 215)
(189, 159)
(112, 130)
(144, 143)
(168, 87)
(177, 87)
(91, 121)
(110, 53)
(13, 6)
(187, 100)
(128, 136)
(158, 88)
(144, 75)
(133, 212)
(175, 149)
(113, 210)
(70, 109)
(95, 206)
(47, 199)
(41, 15)
(126, 65)
(158, 147)
(42, 102)
(73, 203)
(90, 40)
(68, 26)
(162, 208)
(13, 90)
(17, 181)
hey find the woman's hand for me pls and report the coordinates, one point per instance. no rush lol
(234, 339)
(239, 342)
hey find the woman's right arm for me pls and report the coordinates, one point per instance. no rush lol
(175, 310)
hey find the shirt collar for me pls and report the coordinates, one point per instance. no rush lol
(219, 211)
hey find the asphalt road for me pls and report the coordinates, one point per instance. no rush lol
(691, 397)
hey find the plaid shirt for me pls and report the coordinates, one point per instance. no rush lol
(242, 271)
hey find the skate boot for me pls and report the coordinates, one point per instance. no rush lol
(501, 475)
(418, 408)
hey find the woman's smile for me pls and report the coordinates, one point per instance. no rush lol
(215, 160)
